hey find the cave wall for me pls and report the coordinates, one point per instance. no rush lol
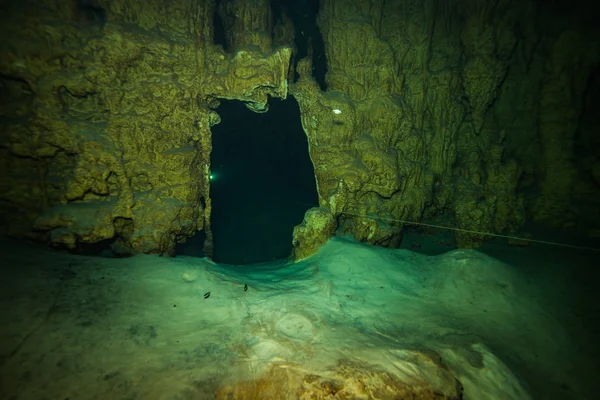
(463, 112)
(105, 119)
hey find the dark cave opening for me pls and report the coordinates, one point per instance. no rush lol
(219, 38)
(262, 181)
(303, 14)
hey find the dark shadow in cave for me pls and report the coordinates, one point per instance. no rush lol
(219, 37)
(90, 13)
(193, 247)
(303, 14)
(262, 181)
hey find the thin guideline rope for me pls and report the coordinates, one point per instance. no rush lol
(573, 246)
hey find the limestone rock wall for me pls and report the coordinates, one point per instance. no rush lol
(451, 111)
(247, 23)
(105, 119)
(463, 112)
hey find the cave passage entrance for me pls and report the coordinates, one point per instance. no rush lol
(262, 181)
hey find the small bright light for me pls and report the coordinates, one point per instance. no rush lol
(211, 177)
(337, 111)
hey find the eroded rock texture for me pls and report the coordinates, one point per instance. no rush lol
(453, 111)
(106, 119)
(349, 381)
(475, 114)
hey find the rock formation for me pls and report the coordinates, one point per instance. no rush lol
(477, 115)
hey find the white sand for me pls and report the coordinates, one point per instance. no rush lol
(96, 328)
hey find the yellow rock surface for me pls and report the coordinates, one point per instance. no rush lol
(433, 109)
(117, 129)
(314, 231)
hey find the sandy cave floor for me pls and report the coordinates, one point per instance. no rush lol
(350, 322)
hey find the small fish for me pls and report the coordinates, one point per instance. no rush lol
(206, 295)
(245, 287)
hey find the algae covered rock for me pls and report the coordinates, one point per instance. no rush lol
(432, 108)
(314, 231)
(106, 131)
